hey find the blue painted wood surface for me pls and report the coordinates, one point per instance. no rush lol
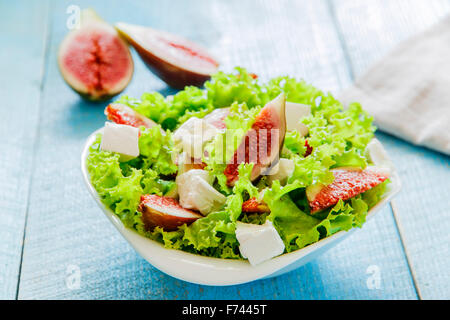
(325, 42)
(422, 208)
(23, 34)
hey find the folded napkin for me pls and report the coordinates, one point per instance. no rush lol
(408, 91)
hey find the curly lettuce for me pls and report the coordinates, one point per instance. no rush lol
(338, 137)
(121, 192)
(297, 228)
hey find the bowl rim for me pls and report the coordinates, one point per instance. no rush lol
(204, 270)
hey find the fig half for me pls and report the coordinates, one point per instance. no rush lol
(262, 143)
(94, 60)
(175, 60)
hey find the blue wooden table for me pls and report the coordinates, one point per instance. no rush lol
(52, 231)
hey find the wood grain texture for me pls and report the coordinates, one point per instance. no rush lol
(65, 228)
(422, 208)
(21, 65)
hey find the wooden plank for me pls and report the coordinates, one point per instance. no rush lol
(67, 233)
(21, 63)
(370, 30)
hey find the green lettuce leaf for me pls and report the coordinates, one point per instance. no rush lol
(295, 142)
(374, 195)
(295, 91)
(224, 89)
(152, 105)
(156, 151)
(299, 229)
(118, 191)
(170, 112)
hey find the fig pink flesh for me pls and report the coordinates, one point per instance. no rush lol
(122, 114)
(165, 212)
(97, 59)
(177, 61)
(184, 52)
(348, 182)
(217, 118)
(269, 127)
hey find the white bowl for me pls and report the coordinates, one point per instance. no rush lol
(221, 272)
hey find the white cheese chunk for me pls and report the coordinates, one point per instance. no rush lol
(193, 134)
(195, 191)
(281, 171)
(185, 177)
(378, 155)
(258, 243)
(294, 112)
(122, 139)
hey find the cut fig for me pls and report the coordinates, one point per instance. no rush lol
(348, 182)
(122, 114)
(175, 60)
(217, 118)
(262, 144)
(94, 60)
(164, 212)
(253, 205)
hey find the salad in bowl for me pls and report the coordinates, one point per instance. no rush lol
(240, 169)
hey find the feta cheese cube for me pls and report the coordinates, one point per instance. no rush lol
(122, 139)
(258, 243)
(188, 175)
(193, 134)
(294, 112)
(195, 191)
(281, 171)
(378, 155)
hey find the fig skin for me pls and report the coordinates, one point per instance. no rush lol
(175, 77)
(164, 212)
(97, 76)
(161, 63)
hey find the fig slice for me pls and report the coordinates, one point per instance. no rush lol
(262, 144)
(164, 212)
(122, 114)
(175, 60)
(94, 60)
(348, 182)
(253, 205)
(217, 117)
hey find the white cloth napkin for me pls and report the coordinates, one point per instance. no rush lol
(408, 91)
